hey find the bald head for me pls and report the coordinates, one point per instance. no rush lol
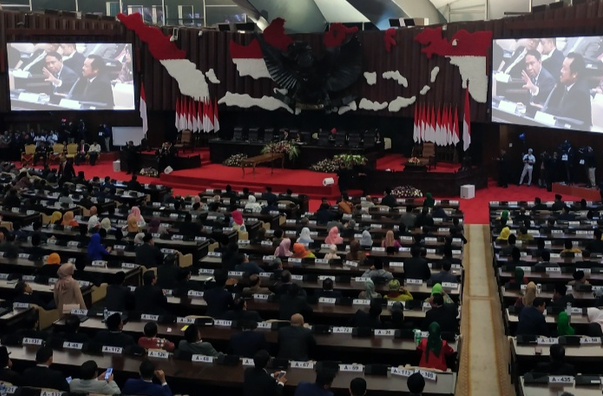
(297, 320)
(93, 211)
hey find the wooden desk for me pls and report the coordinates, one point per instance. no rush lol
(550, 390)
(22, 218)
(66, 251)
(7, 290)
(186, 377)
(260, 159)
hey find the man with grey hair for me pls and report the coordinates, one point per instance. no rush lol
(528, 166)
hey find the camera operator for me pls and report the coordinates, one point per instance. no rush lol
(542, 174)
(587, 158)
(528, 166)
(566, 154)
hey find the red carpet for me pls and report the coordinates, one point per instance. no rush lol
(193, 181)
(395, 162)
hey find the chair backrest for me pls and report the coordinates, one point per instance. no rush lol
(428, 149)
(187, 137)
(58, 148)
(72, 148)
(185, 260)
(30, 149)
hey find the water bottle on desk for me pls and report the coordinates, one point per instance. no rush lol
(417, 336)
(105, 314)
(568, 310)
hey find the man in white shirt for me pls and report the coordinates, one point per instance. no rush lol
(93, 152)
(91, 382)
(528, 166)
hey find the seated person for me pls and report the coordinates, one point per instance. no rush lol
(194, 344)
(7, 374)
(91, 382)
(144, 385)
(246, 266)
(560, 296)
(255, 287)
(150, 340)
(114, 336)
(293, 302)
(296, 342)
(25, 294)
(167, 274)
(42, 376)
(557, 364)
(239, 312)
(397, 292)
(218, 298)
(149, 298)
(119, 297)
(445, 274)
(568, 247)
(443, 314)
(416, 267)
(327, 290)
(369, 319)
(376, 270)
(247, 342)
(434, 350)
(531, 319)
(29, 327)
(71, 332)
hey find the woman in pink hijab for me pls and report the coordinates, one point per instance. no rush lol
(333, 238)
(284, 248)
(135, 213)
(237, 222)
(67, 290)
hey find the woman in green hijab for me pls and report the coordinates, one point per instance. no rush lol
(434, 350)
(429, 202)
(504, 215)
(563, 325)
(438, 289)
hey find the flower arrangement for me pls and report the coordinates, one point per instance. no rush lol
(407, 192)
(326, 166)
(234, 160)
(349, 160)
(291, 149)
(150, 172)
(414, 161)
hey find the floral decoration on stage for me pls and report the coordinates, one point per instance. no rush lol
(414, 161)
(291, 149)
(149, 172)
(331, 165)
(327, 165)
(407, 192)
(234, 160)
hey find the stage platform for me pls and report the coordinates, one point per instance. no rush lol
(148, 159)
(309, 155)
(578, 190)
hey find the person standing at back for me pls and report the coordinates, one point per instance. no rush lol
(320, 387)
(296, 341)
(258, 382)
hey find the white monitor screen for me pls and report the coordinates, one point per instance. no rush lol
(549, 82)
(70, 76)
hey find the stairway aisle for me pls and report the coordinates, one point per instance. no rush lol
(485, 351)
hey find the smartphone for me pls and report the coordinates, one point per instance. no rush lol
(68, 379)
(108, 373)
(281, 374)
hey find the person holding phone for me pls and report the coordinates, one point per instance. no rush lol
(258, 382)
(92, 382)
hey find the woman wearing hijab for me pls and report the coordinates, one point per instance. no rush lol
(252, 205)
(304, 236)
(56, 217)
(429, 202)
(563, 325)
(397, 293)
(138, 239)
(595, 317)
(504, 234)
(236, 222)
(332, 255)
(528, 296)
(366, 240)
(68, 219)
(355, 253)
(438, 289)
(369, 291)
(284, 248)
(96, 251)
(504, 215)
(135, 213)
(390, 240)
(518, 279)
(105, 224)
(67, 290)
(132, 226)
(334, 238)
(434, 350)
(155, 227)
(50, 268)
(300, 251)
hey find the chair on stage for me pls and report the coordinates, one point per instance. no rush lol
(268, 134)
(428, 155)
(253, 134)
(185, 140)
(57, 152)
(28, 155)
(71, 150)
(238, 133)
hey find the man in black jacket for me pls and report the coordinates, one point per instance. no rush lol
(269, 195)
(293, 302)
(560, 296)
(416, 267)
(218, 299)
(531, 319)
(295, 342)
(119, 297)
(94, 86)
(388, 199)
(557, 365)
(114, 336)
(444, 314)
(7, 374)
(41, 376)
(370, 319)
(247, 342)
(258, 382)
(149, 298)
(148, 254)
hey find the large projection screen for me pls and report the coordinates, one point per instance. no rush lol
(70, 76)
(122, 135)
(549, 82)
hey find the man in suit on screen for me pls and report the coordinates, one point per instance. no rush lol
(60, 76)
(71, 58)
(571, 96)
(94, 85)
(515, 65)
(538, 81)
(552, 58)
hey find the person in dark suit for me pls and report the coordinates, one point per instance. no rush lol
(596, 245)
(370, 319)
(293, 302)
(296, 342)
(537, 80)
(36, 62)
(240, 313)
(218, 299)
(149, 298)
(327, 290)
(25, 294)
(552, 58)
(93, 85)
(60, 76)
(71, 332)
(165, 156)
(167, 274)
(571, 96)
(247, 342)
(7, 374)
(560, 296)
(119, 297)
(257, 381)
(188, 226)
(388, 199)
(148, 254)
(443, 314)
(531, 319)
(41, 376)
(557, 365)
(320, 387)
(416, 267)
(515, 65)
(445, 275)
(71, 58)
(144, 385)
(269, 195)
(114, 336)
